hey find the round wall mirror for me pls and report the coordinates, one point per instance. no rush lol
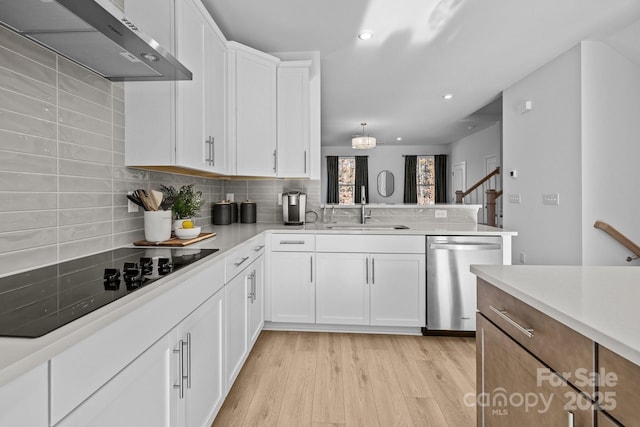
(385, 183)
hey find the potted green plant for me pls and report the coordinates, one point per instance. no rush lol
(186, 202)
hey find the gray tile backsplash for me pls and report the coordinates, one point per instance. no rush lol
(63, 182)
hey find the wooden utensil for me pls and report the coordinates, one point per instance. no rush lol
(157, 198)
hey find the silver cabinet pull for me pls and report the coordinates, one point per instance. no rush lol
(292, 242)
(570, 420)
(188, 359)
(275, 160)
(373, 271)
(305, 161)
(258, 248)
(311, 269)
(503, 314)
(252, 287)
(181, 377)
(210, 142)
(241, 261)
(366, 269)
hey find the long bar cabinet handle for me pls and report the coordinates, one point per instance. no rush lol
(503, 314)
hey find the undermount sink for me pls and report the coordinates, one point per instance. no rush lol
(366, 227)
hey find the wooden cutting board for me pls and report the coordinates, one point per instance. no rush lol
(174, 241)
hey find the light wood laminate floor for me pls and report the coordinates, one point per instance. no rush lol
(296, 379)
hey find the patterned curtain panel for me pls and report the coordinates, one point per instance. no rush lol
(410, 179)
(332, 179)
(362, 178)
(440, 169)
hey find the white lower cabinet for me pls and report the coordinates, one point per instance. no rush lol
(24, 401)
(244, 307)
(292, 278)
(201, 363)
(293, 296)
(375, 288)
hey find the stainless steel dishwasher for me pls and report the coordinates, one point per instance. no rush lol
(451, 287)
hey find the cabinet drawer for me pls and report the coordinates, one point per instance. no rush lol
(560, 347)
(293, 242)
(242, 256)
(371, 244)
(623, 391)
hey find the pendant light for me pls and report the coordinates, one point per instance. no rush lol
(363, 142)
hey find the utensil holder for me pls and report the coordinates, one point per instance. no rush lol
(157, 226)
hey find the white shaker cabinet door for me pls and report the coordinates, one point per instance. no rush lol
(236, 326)
(293, 287)
(342, 288)
(203, 336)
(256, 300)
(293, 119)
(398, 290)
(253, 111)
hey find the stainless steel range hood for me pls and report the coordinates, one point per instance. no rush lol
(95, 34)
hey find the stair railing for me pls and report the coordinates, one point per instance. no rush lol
(621, 238)
(489, 201)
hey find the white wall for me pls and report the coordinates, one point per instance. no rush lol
(610, 152)
(381, 158)
(543, 145)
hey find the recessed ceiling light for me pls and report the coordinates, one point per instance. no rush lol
(448, 96)
(365, 34)
(399, 138)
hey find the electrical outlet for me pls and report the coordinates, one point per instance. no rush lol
(230, 197)
(523, 258)
(279, 199)
(131, 207)
(441, 213)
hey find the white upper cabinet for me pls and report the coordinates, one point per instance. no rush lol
(179, 124)
(252, 110)
(293, 119)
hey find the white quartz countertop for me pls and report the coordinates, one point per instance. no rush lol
(601, 303)
(19, 355)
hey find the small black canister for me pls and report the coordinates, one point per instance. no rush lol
(222, 213)
(248, 212)
(235, 212)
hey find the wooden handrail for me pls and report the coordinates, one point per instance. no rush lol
(462, 194)
(494, 172)
(621, 238)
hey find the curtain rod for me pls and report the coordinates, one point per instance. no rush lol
(424, 155)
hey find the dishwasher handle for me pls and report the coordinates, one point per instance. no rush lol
(466, 246)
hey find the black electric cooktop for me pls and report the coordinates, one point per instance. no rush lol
(38, 301)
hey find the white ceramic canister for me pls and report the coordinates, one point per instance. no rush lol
(157, 226)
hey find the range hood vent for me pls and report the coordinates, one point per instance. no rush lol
(96, 35)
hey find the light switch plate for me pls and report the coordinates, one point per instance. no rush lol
(514, 198)
(441, 213)
(551, 199)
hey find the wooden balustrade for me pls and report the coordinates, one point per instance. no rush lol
(491, 196)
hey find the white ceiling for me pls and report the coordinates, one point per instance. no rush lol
(421, 50)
